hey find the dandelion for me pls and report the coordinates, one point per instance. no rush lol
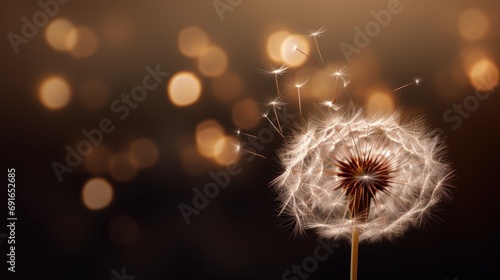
(348, 175)
(355, 176)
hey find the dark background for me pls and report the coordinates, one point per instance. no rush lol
(238, 236)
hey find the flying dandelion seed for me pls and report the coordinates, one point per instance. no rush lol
(298, 86)
(352, 175)
(415, 82)
(276, 72)
(315, 34)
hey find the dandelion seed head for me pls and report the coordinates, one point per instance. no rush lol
(417, 81)
(347, 169)
(280, 70)
(318, 32)
(300, 84)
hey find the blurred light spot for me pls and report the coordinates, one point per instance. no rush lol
(208, 133)
(484, 75)
(323, 85)
(54, 93)
(246, 114)
(380, 103)
(57, 32)
(82, 42)
(470, 55)
(225, 151)
(98, 160)
(122, 168)
(116, 28)
(213, 62)
(184, 89)
(144, 153)
(290, 47)
(227, 87)
(473, 24)
(274, 43)
(192, 162)
(123, 230)
(94, 94)
(97, 193)
(193, 41)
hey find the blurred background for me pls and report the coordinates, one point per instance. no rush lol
(94, 210)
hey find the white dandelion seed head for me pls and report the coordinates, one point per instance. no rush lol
(278, 71)
(300, 84)
(317, 32)
(346, 169)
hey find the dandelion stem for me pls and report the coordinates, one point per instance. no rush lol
(277, 120)
(308, 56)
(274, 126)
(277, 85)
(300, 105)
(317, 47)
(249, 135)
(354, 253)
(252, 153)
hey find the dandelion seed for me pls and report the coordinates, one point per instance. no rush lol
(276, 104)
(298, 86)
(265, 115)
(415, 82)
(331, 104)
(294, 48)
(239, 149)
(239, 132)
(315, 34)
(277, 72)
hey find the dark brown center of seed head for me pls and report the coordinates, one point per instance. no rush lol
(361, 178)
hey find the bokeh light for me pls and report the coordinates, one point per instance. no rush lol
(94, 94)
(97, 162)
(184, 89)
(82, 42)
(54, 93)
(227, 87)
(123, 230)
(193, 41)
(97, 193)
(213, 62)
(122, 168)
(57, 33)
(144, 152)
(484, 75)
(290, 50)
(473, 24)
(116, 28)
(225, 151)
(274, 43)
(380, 102)
(323, 85)
(246, 114)
(208, 134)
